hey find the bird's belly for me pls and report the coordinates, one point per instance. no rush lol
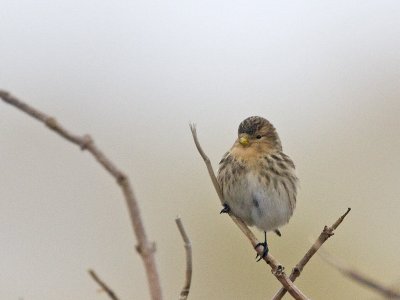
(257, 203)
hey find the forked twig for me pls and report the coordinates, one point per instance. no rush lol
(189, 268)
(145, 248)
(276, 267)
(103, 285)
(326, 233)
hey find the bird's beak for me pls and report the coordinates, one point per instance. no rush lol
(244, 140)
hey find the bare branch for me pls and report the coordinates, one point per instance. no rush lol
(207, 162)
(145, 248)
(188, 248)
(103, 285)
(358, 277)
(326, 233)
(276, 267)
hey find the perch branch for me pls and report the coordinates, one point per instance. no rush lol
(103, 285)
(358, 277)
(188, 248)
(326, 233)
(276, 267)
(145, 248)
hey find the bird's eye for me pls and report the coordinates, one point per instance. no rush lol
(258, 136)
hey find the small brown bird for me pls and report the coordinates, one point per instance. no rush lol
(257, 179)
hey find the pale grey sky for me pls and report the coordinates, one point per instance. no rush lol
(133, 74)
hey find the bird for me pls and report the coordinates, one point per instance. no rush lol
(258, 181)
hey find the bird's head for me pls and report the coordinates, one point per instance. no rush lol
(259, 133)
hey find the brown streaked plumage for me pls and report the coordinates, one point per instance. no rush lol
(257, 179)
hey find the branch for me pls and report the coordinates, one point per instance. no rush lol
(188, 248)
(362, 279)
(326, 233)
(144, 247)
(276, 267)
(103, 285)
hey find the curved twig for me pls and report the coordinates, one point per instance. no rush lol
(145, 248)
(189, 268)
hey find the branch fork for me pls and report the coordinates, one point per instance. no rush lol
(276, 268)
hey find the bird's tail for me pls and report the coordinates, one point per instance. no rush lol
(278, 233)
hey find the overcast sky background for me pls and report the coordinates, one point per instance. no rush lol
(133, 74)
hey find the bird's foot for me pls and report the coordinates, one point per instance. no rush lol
(265, 251)
(226, 209)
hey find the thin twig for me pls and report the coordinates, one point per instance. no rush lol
(189, 268)
(145, 248)
(358, 277)
(326, 233)
(276, 267)
(103, 285)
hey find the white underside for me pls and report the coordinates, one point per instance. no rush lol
(258, 204)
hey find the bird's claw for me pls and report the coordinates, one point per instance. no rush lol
(226, 209)
(265, 251)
